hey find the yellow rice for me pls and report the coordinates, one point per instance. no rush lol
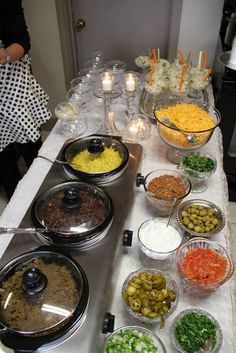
(87, 162)
(187, 117)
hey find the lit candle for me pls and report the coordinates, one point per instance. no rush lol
(130, 83)
(133, 131)
(106, 82)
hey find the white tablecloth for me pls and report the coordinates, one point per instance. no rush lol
(219, 304)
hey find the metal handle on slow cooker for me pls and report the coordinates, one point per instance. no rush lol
(140, 180)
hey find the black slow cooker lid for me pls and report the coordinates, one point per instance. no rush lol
(39, 292)
(73, 208)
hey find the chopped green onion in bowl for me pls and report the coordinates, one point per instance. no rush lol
(133, 339)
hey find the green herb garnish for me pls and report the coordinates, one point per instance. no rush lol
(192, 331)
(130, 341)
(199, 163)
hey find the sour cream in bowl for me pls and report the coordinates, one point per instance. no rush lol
(158, 241)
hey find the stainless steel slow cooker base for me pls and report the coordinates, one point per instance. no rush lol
(96, 261)
(98, 181)
(83, 245)
(69, 334)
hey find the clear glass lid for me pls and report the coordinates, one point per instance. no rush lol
(39, 291)
(73, 208)
(96, 154)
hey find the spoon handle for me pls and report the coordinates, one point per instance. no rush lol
(170, 212)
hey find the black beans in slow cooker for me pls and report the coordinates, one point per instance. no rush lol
(92, 210)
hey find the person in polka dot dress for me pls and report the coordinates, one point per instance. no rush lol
(23, 103)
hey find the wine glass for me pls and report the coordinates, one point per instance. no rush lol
(80, 95)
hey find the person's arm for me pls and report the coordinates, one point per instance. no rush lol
(14, 33)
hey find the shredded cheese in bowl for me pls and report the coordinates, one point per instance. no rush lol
(189, 118)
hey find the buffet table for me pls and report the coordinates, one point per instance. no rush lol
(220, 304)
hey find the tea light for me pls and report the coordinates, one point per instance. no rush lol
(130, 82)
(138, 128)
(134, 131)
(107, 81)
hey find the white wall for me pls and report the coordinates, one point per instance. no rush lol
(198, 27)
(46, 51)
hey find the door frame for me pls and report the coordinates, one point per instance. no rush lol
(67, 36)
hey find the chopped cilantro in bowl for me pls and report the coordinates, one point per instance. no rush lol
(200, 163)
(133, 339)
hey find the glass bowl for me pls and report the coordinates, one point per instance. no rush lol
(176, 120)
(208, 342)
(197, 218)
(164, 189)
(79, 95)
(118, 68)
(158, 242)
(138, 128)
(73, 125)
(133, 336)
(204, 266)
(145, 284)
(198, 167)
(66, 111)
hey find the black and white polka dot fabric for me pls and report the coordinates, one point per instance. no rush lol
(22, 103)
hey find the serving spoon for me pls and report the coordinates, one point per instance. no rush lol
(170, 212)
(12, 230)
(22, 230)
(206, 347)
(189, 138)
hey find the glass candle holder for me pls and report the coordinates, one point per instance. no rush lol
(138, 128)
(107, 81)
(107, 94)
(130, 83)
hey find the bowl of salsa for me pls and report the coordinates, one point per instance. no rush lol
(204, 266)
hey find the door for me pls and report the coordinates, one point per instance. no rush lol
(120, 29)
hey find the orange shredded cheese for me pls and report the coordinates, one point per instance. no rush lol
(187, 117)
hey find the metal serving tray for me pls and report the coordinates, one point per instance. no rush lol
(99, 262)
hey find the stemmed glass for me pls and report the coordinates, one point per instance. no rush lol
(144, 62)
(73, 125)
(199, 81)
(117, 69)
(80, 95)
